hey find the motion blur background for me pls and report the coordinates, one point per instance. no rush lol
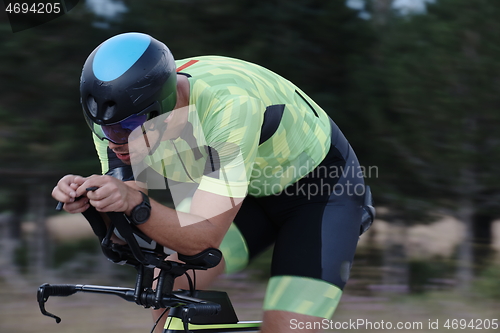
(413, 84)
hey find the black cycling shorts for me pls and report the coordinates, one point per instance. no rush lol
(314, 223)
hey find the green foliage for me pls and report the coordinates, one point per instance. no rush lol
(488, 283)
(41, 126)
(311, 43)
(42, 133)
(21, 257)
(423, 274)
(416, 97)
(431, 96)
(65, 252)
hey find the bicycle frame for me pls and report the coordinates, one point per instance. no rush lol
(175, 325)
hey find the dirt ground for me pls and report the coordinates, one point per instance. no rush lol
(84, 313)
(370, 310)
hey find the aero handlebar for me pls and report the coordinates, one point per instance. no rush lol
(191, 306)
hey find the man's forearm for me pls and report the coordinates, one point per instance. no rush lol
(185, 233)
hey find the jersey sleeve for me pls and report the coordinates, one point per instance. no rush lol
(232, 131)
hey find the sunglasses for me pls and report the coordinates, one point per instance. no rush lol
(118, 133)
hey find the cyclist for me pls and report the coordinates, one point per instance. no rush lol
(250, 161)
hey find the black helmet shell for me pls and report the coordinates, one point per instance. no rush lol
(126, 75)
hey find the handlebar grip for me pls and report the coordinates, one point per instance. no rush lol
(46, 290)
(59, 289)
(207, 309)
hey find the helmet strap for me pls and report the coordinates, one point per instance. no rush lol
(161, 130)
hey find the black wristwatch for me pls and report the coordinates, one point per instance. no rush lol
(141, 213)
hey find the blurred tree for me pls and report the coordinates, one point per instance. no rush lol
(39, 94)
(42, 133)
(312, 43)
(434, 89)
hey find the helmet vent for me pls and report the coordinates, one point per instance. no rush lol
(92, 105)
(109, 110)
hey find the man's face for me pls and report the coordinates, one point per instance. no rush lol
(145, 138)
(121, 152)
(138, 147)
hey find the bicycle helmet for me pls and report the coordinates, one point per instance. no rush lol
(125, 81)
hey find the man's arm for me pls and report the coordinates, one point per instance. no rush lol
(188, 233)
(204, 226)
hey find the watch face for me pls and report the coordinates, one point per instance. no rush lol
(141, 215)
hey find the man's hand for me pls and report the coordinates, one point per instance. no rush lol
(112, 195)
(65, 191)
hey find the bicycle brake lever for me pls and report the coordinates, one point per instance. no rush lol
(42, 298)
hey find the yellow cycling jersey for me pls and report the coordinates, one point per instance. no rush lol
(250, 132)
